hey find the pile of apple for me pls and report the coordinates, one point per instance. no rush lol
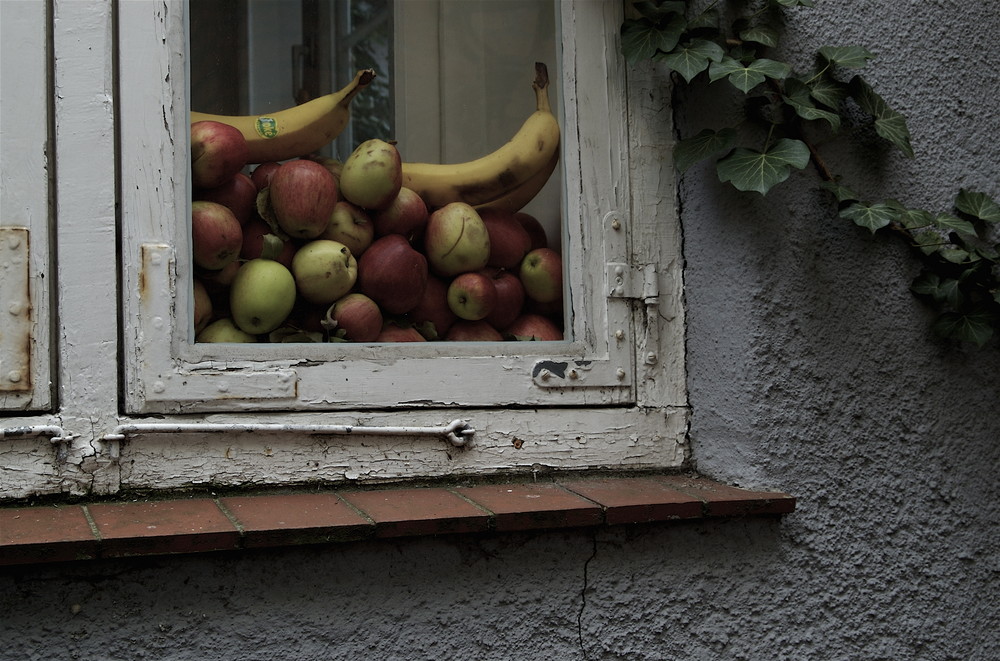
(314, 250)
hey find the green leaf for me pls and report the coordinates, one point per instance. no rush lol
(793, 3)
(708, 19)
(975, 327)
(745, 78)
(827, 90)
(842, 193)
(889, 124)
(797, 96)
(913, 218)
(978, 205)
(654, 11)
(750, 170)
(873, 216)
(941, 290)
(957, 255)
(641, 38)
(852, 57)
(761, 34)
(929, 241)
(954, 224)
(689, 151)
(693, 58)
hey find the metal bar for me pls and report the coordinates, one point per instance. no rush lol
(457, 432)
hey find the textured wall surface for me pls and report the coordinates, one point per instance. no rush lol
(811, 370)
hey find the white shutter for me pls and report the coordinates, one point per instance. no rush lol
(25, 275)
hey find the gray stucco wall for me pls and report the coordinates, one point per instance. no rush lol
(811, 371)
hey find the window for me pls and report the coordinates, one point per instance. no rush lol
(611, 394)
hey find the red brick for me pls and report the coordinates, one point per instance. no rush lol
(723, 500)
(428, 511)
(166, 526)
(532, 506)
(303, 518)
(636, 499)
(45, 534)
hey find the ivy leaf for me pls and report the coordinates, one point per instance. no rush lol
(827, 90)
(654, 11)
(707, 19)
(693, 58)
(842, 193)
(745, 78)
(957, 255)
(873, 216)
(798, 97)
(978, 205)
(793, 3)
(761, 34)
(928, 241)
(941, 290)
(948, 222)
(852, 57)
(889, 124)
(689, 151)
(750, 170)
(976, 327)
(912, 218)
(642, 38)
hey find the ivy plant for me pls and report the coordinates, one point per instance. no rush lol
(796, 111)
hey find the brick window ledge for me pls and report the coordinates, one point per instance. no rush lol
(110, 529)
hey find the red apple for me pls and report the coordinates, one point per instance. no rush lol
(472, 295)
(358, 318)
(218, 151)
(392, 274)
(509, 240)
(534, 228)
(456, 240)
(510, 297)
(261, 175)
(406, 215)
(541, 275)
(432, 315)
(350, 225)
(253, 243)
(302, 196)
(393, 333)
(473, 331)
(216, 235)
(372, 175)
(239, 194)
(202, 306)
(219, 281)
(533, 327)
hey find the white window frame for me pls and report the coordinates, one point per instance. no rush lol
(613, 397)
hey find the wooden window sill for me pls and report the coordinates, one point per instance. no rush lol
(110, 529)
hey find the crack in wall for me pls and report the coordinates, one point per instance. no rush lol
(583, 596)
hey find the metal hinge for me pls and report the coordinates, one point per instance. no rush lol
(15, 322)
(627, 281)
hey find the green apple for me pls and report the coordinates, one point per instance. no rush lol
(324, 270)
(262, 296)
(372, 175)
(456, 240)
(224, 330)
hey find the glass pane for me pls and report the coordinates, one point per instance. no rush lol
(469, 249)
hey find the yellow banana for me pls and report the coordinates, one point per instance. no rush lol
(296, 131)
(517, 198)
(494, 175)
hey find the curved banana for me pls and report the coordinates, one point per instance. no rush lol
(494, 175)
(296, 131)
(518, 198)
